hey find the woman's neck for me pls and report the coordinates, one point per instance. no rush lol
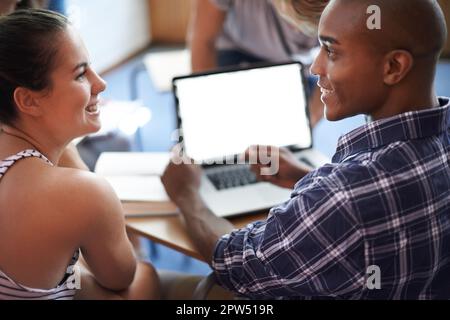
(26, 141)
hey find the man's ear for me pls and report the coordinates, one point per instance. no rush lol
(27, 101)
(397, 65)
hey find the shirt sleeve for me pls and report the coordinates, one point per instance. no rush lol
(309, 247)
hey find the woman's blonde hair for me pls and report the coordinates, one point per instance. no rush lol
(305, 14)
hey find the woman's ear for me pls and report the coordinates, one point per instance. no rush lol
(397, 65)
(27, 101)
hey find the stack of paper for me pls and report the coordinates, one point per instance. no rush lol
(135, 176)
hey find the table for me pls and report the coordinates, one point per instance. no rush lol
(169, 230)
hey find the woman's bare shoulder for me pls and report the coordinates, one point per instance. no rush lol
(85, 186)
(82, 195)
(74, 204)
(59, 194)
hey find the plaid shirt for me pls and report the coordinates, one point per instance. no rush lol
(383, 202)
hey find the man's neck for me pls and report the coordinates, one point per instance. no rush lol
(396, 105)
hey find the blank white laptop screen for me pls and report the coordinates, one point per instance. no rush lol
(222, 114)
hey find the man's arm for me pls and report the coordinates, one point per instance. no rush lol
(309, 246)
(203, 226)
(206, 24)
(182, 183)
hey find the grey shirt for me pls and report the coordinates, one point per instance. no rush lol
(250, 26)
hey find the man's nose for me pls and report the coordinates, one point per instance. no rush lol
(317, 67)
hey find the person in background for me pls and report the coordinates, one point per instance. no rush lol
(235, 32)
(8, 6)
(50, 210)
(35, 4)
(374, 223)
(54, 5)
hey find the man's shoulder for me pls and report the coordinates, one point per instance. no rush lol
(370, 165)
(339, 176)
(339, 185)
(332, 187)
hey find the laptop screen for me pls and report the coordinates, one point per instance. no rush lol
(222, 114)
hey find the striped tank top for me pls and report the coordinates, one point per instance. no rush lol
(10, 289)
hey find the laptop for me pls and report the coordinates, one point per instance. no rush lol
(222, 113)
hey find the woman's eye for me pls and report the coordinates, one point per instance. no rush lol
(81, 76)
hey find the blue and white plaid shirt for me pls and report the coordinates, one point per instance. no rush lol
(383, 202)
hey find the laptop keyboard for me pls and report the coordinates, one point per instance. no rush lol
(231, 177)
(228, 177)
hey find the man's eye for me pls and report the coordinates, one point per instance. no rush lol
(329, 52)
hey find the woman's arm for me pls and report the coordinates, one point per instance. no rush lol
(93, 221)
(96, 221)
(206, 24)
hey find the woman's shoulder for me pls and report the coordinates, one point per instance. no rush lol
(55, 188)
(71, 202)
(83, 190)
(82, 199)
(75, 178)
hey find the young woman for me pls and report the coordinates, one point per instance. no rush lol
(49, 214)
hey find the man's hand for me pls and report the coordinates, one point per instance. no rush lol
(181, 180)
(290, 169)
(182, 184)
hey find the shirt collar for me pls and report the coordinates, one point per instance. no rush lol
(406, 126)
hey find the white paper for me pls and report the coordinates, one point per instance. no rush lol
(135, 176)
(132, 163)
(138, 188)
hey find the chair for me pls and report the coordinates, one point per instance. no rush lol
(204, 287)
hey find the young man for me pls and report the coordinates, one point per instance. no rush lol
(374, 224)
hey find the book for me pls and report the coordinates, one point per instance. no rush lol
(135, 177)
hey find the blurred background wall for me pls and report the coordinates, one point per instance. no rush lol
(113, 30)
